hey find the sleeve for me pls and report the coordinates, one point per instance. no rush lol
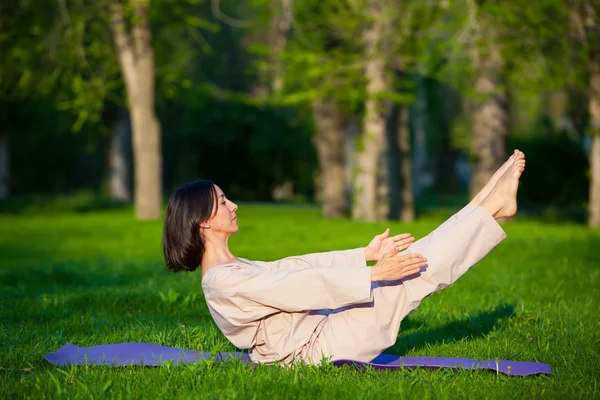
(331, 259)
(249, 294)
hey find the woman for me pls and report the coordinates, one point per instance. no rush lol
(327, 305)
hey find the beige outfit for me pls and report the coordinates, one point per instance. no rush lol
(325, 305)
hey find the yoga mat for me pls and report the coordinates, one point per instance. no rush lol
(124, 354)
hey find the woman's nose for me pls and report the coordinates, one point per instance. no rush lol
(233, 206)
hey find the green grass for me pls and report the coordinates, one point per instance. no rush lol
(92, 277)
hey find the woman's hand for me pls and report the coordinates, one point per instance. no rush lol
(392, 267)
(383, 243)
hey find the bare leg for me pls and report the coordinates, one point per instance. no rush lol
(502, 200)
(517, 156)
(487, 189)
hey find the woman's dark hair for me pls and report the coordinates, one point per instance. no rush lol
(183, 245)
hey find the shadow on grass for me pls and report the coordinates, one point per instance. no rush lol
(79, 203)
(478, 325)
(64, 275)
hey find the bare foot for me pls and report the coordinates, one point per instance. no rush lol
(502, 200)
(489, 186)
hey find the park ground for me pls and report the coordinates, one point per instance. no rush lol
(88, 275)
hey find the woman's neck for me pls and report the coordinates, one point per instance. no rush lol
(216, 253)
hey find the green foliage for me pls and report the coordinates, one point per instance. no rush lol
(325, 56)
(97, 277)
(46, 157)
(245, 149)
(210, 55)
(73, 44)
(557, 170)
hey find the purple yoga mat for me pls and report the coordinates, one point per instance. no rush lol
(125, 354)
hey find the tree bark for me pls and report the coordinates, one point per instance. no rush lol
(394, 162)
(280, 29)
(4, 166)
(490, 118)
(422, 168)
(329, 142)
(400, 165)
(136, 59)
(119, 160)
(365, 205)
(407, 201)
(351, 134)
(594, 108)
(387, 181)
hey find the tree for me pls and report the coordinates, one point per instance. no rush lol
(329, 142)
(119, 158)
(585, 20)
(594, 199)
(407, 200)
(91, 49)
(365, 205)
(392, 42)
(136, 59)
(490, 112)
(321, 74)
(330, 67)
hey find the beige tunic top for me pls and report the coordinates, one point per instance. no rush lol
(272, 308)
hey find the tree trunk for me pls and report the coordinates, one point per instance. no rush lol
(118, 159)
(387, 181)
(490, 118)
(400, 165)
(351, 134)
(329, 142)
(594, 107)
(4, 166)
(407, 209)
(394, 162)
(423, 177)
(136, 59)
(281, 23)
(365, 205)
(270, 79)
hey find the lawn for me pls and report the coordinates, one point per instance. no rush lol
(93, 277)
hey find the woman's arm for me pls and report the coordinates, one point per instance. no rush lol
(244, 294)
(358, 257)
(247, 294)
(342, 258)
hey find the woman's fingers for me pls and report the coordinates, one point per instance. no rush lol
(405, 243)
(411, 264)
(411, 258)
(393, 267)
(391, 253)
(385, 234)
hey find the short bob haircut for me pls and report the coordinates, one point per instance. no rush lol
(190, 205)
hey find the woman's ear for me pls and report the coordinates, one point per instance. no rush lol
(205, 225)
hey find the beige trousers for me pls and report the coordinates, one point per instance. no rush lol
(362, 332)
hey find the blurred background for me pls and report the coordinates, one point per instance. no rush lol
(372, 109)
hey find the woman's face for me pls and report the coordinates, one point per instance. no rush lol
(223, 218)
